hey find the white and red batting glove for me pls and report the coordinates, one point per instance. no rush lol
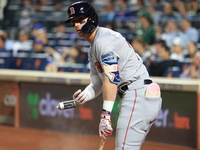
(82, 96)
(105, 125)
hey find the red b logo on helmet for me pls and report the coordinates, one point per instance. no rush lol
(72, 11)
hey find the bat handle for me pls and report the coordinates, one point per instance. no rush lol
(102, 144)
(66, 105)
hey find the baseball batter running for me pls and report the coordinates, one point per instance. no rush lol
(115, 68)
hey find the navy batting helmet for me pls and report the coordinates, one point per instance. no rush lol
(83, 8)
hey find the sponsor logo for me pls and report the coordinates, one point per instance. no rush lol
(46, 107)
(10, 98)
(33, 100)
(72, 11)
(181, 122)
(162, 119)
(178, 122)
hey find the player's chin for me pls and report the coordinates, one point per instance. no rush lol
(79, 33)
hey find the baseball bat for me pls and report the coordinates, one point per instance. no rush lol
(66, 104)
(102, 144)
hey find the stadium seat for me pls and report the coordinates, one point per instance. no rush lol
(19, 62)
(5, 58)
(2, 63)
(20, 59)
(184, 65)
(37, 61)
(172, 72)
(73, 68)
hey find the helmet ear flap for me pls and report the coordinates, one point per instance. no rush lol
(89, 26)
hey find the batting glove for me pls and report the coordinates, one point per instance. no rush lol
(105, 128)
(82, 97)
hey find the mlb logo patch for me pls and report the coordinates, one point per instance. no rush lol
(72, 11)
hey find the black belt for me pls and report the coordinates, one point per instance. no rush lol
(125, 87)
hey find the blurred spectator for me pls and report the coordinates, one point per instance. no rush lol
(193, 71)
(107, 14)
(58, 5)
(183, 14)
(54, 60)
(177, 50)
(2, 44)
(23, 43)
(58, 9)
(27, 6)
(172, 32)
(138, 5)
(159, 65)
(39, 38)
(122, 11)
(98, 2)
(140, 48)
(25, 22)
(8, 42)
(176, 4)
(56, 57)
(74, 55)
(40, 4)
(192, 50)
(156, 4)
(167, 15)
(110, 26)
(60, 33)
(193, 7)
(159, 32)
(38, 33)
(155, 14)
(38, 46)
(146, 30)
(190, 32)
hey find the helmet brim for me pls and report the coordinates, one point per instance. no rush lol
(69, 20)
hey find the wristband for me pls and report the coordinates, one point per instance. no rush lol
(106, 112)
(108, 105)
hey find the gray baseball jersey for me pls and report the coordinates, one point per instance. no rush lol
(111, 55)
(111, 46)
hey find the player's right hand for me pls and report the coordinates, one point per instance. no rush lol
(81, 96)
(105, 128)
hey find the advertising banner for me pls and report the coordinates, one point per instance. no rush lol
(38, 109)
(177, 122)
(8, 97)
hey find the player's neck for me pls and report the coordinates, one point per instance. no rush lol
(90, 37)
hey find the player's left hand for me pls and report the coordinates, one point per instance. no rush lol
(105, 128)
(82, 96)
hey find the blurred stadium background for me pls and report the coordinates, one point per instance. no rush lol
(42, 62)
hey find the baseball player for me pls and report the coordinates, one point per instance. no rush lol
(116, 68)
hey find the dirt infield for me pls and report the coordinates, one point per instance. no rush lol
(33, 139)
